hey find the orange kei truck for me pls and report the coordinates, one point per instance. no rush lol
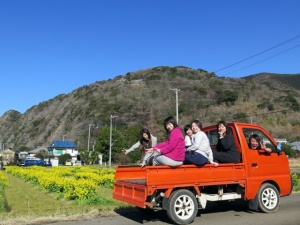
(260, 178)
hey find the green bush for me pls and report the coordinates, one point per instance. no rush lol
(62, 159)
(296, 182)
(289, 150)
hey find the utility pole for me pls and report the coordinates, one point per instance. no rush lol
(89, 136)
(110, 139)
(176, 91)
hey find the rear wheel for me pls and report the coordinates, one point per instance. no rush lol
(183, 207)
(268, 198)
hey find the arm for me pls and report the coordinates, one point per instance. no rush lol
(161, 145)
(197, 142)
(172, 142)
(263, 147)
(227, 142)
(133, 147)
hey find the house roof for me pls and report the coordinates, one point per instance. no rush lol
(37, 150)
(62, 144)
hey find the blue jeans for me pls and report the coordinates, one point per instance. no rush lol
(192, 157)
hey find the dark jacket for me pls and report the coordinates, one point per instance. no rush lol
(226, 150)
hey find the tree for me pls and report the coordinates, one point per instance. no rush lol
(62, 159)
(103, 143)
(289, 150)
(241, 117)
(42, 154)
(227, 96)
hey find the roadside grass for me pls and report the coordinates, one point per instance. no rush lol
(24, 204)
(294, 164)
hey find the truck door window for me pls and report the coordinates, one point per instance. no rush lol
(263, 137)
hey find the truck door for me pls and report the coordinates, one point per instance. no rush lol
(260, 163)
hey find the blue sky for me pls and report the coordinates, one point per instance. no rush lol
(51, 47)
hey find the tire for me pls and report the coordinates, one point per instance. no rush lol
(268, 198)
(183, 207)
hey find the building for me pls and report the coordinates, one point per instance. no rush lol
(33, 152)
(296, 146)
(8, 156)
(278, 140)
(58, 148)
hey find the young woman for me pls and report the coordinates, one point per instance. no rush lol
(146, 140)
(255, 143)
(226, 150)
(171, 152)
(199, 153)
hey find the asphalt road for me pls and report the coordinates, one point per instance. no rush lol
(235, 213)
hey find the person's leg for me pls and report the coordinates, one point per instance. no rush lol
(195, 158)
(224, 157)
(163, 160)
(188, 158)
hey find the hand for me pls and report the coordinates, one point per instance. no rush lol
(221, 133)
(215, 164)
(149, 150)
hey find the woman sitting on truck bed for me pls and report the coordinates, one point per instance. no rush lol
(172, 150)
(226, 150)
(199, 153)
(255, 143)
(146, 140)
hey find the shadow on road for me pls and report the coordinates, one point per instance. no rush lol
(146, 215)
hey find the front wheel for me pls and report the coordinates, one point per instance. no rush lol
(268, 198)
(183, 207)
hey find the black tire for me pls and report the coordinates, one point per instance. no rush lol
(183, 207)
(268, 198)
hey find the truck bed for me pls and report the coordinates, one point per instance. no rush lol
(133, 184)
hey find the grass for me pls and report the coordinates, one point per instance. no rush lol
(294, 164)
(24, 202)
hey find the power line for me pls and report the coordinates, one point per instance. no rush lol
(263, 60)
(250, 57)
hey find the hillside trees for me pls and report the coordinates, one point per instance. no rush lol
(227, 96)
(144, 98)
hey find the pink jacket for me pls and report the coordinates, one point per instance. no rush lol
(174, 147)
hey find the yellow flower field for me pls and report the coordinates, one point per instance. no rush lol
(72, 183)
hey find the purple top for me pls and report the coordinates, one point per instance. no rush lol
(174, 147)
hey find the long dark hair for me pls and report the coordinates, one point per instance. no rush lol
(143, 141)
(225, 124)
(187, 127)
(171, 120)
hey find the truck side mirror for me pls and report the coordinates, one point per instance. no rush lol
(279, 149)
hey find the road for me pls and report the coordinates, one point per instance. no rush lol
(235, 213)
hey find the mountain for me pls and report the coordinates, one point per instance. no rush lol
(145, 98)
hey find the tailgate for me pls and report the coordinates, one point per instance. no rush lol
(132, 191)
